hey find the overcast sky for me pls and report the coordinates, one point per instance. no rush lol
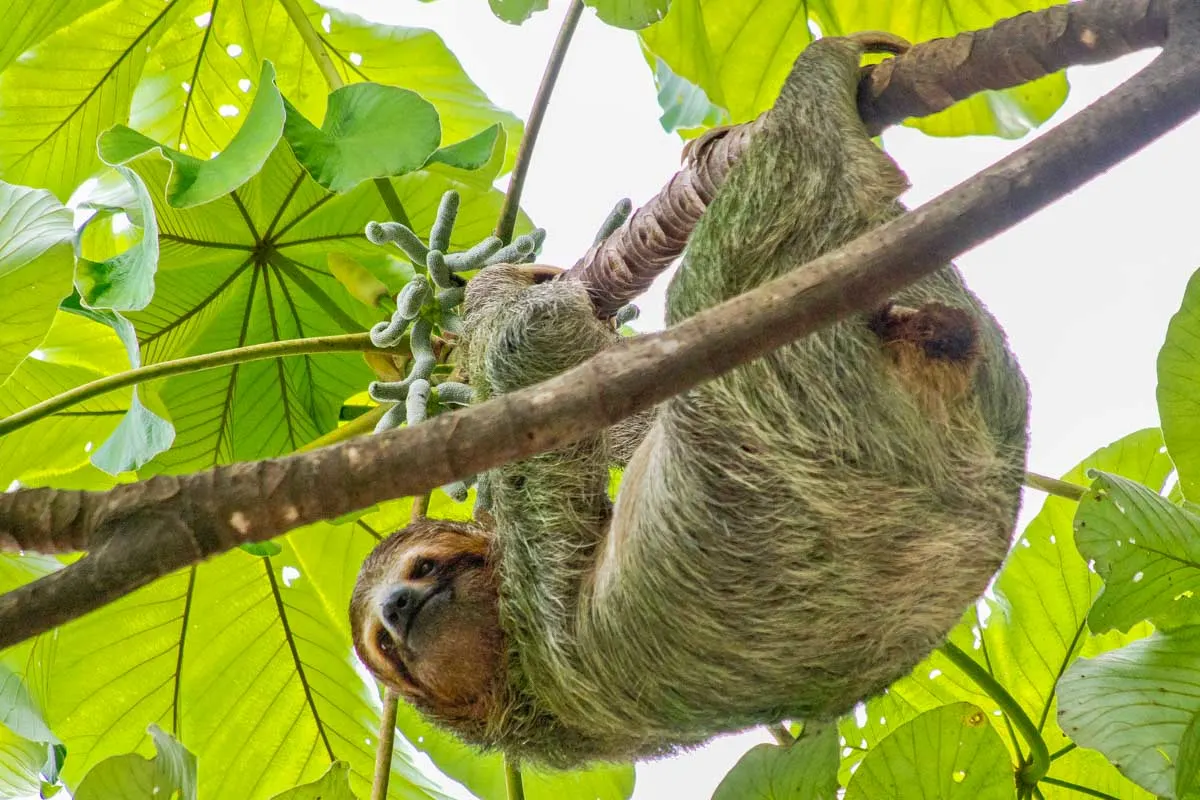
(1085, 289)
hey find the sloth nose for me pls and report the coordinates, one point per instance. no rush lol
(399, 607)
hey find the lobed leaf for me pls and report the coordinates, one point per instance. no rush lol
(805, 770)
(948, 753)
(1179, 389)
(1146, 548)
(1135, 704)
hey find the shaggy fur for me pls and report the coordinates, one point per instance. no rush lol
(789, 538)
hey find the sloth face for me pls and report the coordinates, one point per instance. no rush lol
(425, 621)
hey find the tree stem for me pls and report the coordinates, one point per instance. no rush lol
(347, 343)
(516, 184)
(312, 40)
(1039, 754)
(387, 738)
(512, 777)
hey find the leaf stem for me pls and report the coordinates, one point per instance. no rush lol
(516, 184)
(312, 40)
(1042, 483)
(347, 343)
(387, 738)
(1062, 751)
(1075, 787)
(314, 44)
(1039, 754)
(512, 778)
(420, 507)
(783, 737)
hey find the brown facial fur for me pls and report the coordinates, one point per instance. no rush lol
(448, 661)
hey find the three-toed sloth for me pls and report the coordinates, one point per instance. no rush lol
(788, 538)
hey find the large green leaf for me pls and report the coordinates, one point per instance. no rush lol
(35, 268)
(1187, 772)
(1134, 704)
(170, 775)
(806, 770)
(631, 14)
(1179, 389)
(75, 351)
(50, 116)
(516, 11)
(740, 51)
(20, 764)
(1147, 550)
(1032, 629)
(26, 24)
(948, 753)
(369, 131)
(333, 785)
(200, 76)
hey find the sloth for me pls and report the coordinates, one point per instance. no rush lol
(787, 540)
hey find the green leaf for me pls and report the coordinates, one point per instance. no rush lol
(470, 154)
(50, 116)
(517, 11)
(1032, 629)
(948, 753)
(35, 266)
(126, 280)
(333, 785)
(25, 25)
(141, 434)
(1179, 389)
(200, 75)
(806, 770)
(75, 351)
(739, 52)
(685, 105)
(1147, 550)
(1187, 772)
(20, 764)
(194, 182)
(1134, 704)
(369, 131)
(170, 774)
(630, 14)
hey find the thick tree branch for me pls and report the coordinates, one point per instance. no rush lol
(134, 530)
(929, 78)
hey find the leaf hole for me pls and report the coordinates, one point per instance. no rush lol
(203, 20)
(234, 50)
(356, 59)
(244, 84)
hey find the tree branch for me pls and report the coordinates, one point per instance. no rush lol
(133, 529)
(929, 78)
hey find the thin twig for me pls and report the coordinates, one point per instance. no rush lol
(346, 343)
(516, 184)
(387, 739)
(140, 531)
(420, 507)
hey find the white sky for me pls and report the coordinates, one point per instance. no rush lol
(1085, 289)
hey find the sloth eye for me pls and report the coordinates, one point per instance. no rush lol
(422, 568)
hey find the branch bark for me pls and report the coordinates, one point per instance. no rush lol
(138, 532)
(929, 78)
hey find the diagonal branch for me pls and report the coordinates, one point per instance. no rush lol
(929, 78)
(135, 531)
